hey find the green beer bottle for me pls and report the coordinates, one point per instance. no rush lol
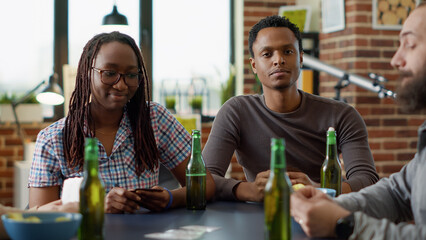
(277, 195)
(331, 171)
(196, 176)
(92, 194)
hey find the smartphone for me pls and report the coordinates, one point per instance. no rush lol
(146, 189)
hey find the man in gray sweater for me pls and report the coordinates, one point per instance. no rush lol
(245, 124)
(387, 209)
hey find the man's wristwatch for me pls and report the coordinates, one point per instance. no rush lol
(345, 226)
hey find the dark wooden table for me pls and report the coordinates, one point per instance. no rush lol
(236, 220)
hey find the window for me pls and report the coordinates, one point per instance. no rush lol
(26, 45)
(191, 48)
(85, 21)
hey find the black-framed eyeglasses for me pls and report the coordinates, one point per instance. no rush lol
(111, 77)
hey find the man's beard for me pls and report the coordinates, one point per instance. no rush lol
(412, 95)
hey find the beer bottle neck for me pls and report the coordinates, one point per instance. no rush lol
(91, 163)
(196, 144)
(331, 144)
(91, 168)
(277, 157)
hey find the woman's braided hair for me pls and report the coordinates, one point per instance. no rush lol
(138, 109)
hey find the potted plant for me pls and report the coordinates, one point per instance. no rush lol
(29, 110)
(171, 103)
(228, 88)
(196, 103)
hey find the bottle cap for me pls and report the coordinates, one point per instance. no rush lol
(331, 129)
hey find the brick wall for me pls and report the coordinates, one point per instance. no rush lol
(11, 150)
(358, 49)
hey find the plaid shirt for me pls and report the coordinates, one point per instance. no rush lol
(49, 167)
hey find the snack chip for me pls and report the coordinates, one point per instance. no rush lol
(33, 219)
(298, 186)
(62, 219)
(19, 218)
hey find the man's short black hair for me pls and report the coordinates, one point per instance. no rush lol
(273, 21)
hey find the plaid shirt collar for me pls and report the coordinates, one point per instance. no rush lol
(124, 131)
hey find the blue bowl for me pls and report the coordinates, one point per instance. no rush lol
(47, 228)
(330, 192)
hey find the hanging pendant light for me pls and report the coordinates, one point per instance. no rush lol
(114, 18)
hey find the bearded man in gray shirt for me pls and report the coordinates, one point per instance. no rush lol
(245, 124)
(387, 209)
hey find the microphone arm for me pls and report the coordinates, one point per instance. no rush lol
(374, 86)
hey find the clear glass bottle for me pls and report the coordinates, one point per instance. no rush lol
(92, 195)
(277, 195)
(196, 176)
(331, 171)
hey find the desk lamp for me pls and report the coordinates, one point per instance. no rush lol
(51, 95)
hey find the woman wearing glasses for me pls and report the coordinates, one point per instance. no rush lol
(111, 102)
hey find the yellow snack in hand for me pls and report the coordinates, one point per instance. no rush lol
(298, 186)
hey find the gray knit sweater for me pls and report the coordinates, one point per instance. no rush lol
(245, 125)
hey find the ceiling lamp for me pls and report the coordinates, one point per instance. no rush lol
(114, 18)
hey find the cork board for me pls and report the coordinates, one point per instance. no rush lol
(391, 14)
